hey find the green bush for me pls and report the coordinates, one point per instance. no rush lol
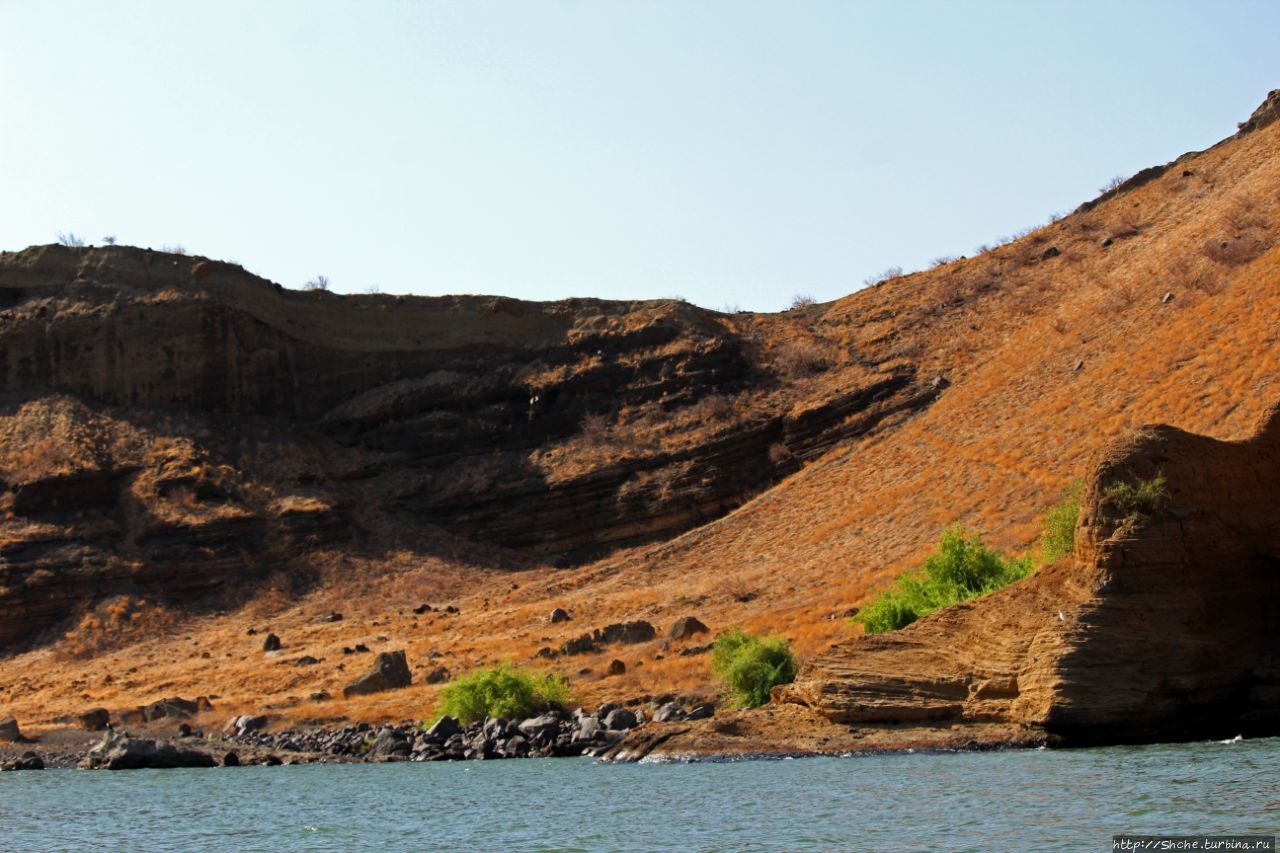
(750, 665)
(1139, 496)
(1058, 538)
(502, 691)
(960, 570)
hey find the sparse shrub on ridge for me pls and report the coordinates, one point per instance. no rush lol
(750, 666)
(1137, 497)
(502, 691)
(964, 568)
(881, 277)
(961, 569)
(1058, 537)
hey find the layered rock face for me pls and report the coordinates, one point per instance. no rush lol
(175, 426)
(1164, 625)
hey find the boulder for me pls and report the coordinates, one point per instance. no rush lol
(9, 729)
(173, 707)
(271, 643)
(390, 671)
(93, 720)
(686, 626)
(668, 712)
(436, 675)
(444, 728)
(620, 719)
(617, 667)
(118, 751)
(559, 615)
(626, 632)
(245, 723)
(391, 743)
(578, 646)
(28, 761)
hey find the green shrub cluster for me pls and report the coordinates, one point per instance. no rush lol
(961, 569)
(1058, 537)
(1139, 496)
(749, 666)
(502, 691)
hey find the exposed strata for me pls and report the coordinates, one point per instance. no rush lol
(177, 426)
(1164, 625)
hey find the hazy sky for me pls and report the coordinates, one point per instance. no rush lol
(733, 153)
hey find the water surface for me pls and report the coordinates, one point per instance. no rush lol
(1017, 800)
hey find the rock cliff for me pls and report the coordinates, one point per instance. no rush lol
(1164, 625)
(161, 411)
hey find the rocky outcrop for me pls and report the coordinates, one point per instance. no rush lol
(390, 671)
(1164, 625)
(119, 751)
(553, 733)
(159, 410)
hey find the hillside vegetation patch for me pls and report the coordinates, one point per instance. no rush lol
(750, 666)
(964, 568)
(504, 692)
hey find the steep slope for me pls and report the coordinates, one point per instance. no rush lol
(971, 392)
(161, 409)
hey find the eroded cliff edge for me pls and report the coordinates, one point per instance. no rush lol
(176, 427)
(1164, 625)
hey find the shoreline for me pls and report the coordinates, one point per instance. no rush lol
(770, 733)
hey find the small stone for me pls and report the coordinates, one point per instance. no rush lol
(271, 644)
(559, 615)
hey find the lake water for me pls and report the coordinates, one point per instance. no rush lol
(1004, 801)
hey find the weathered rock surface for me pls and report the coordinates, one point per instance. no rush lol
(119, 751)
(9, 730)
(160, 410)
(29, 760)
(390, 671)
(553, 733)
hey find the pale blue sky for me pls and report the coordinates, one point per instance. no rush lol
(732, 153)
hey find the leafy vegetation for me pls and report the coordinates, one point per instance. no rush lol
(962, 569)
(1138, 496)
(502, 691)
(1058, 537)
(749, 665)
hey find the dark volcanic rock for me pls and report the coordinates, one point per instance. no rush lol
(9, 729)
(173, 707)
(27, 761)
(686, 626)
(119, 751)
(94, 720)
(390, 671)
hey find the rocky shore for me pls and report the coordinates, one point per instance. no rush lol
(246, 740)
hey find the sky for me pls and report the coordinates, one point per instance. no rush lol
(733, 153)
